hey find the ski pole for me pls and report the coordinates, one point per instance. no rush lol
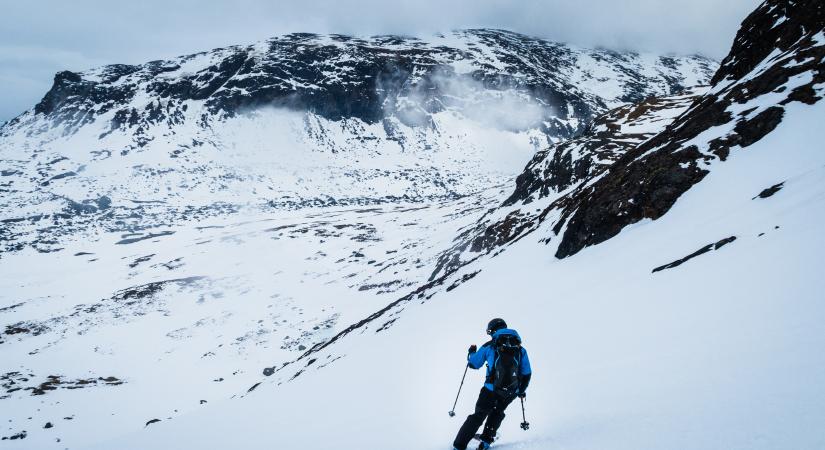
(452, 411)
(524, 425)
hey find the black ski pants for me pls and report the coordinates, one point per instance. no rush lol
(489, 406)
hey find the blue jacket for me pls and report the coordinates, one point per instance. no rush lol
(487, 354)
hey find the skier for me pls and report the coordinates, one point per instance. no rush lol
(508, 375)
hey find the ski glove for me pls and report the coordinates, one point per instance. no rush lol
(522, 395)
(472, 349)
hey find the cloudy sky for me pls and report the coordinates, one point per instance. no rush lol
(41, 37)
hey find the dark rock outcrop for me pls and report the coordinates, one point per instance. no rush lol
(648, 179)
(768, 192)
(710, 247)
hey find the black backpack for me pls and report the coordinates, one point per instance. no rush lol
(505, 374)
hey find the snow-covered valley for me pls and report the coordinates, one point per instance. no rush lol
(187, 315)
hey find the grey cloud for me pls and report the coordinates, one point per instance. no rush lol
(41, 37)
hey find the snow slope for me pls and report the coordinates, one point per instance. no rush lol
(723, 351)
(693, 323)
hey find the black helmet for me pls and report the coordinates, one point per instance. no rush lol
(495, 325)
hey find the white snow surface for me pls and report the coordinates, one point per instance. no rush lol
(724, 351)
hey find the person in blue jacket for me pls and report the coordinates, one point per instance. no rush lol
(494, 398)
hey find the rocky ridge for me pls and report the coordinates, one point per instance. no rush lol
(777, 58)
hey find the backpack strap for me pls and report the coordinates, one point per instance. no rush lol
(491, 374)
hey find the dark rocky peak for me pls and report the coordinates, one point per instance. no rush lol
(775, 26)
(340, 77)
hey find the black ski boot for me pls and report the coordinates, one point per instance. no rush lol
(483, 442)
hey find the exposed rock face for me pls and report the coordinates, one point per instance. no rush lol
(775, 26)
(603, 141)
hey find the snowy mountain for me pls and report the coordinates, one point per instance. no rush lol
(304, 120)
(659, 252)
